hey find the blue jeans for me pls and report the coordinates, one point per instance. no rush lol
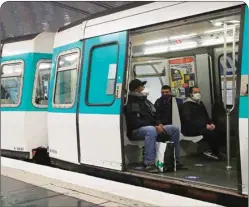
(150, 135)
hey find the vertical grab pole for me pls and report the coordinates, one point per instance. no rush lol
(229, 167)
(128, 72)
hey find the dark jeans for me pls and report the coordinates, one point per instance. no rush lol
(150, 134)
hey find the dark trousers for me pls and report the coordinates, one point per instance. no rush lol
(211, 137)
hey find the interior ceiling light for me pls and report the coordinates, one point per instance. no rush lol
(155, 50)
(217, 24)
(182, 36)
(156, 41)
(234, 21)
(182, 47)
(216, 30)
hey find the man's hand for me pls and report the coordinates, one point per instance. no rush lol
(210, 127)
(159, 129)
(213, 126)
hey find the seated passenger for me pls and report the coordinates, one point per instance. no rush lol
(164, 106)
(4, 93)
(196, 121)
(141, 121)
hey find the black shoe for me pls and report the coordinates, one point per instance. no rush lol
(151, 168)
(180, 166)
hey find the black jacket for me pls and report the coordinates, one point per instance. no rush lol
(139, 112)
(164, 110)
(194, 118)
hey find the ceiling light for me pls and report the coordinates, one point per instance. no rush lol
(182, 47)
(155, 50)
(156, 41)
(234, 21)
(216, 30)
(217, 24)
(182, 36)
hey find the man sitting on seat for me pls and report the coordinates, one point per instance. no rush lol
(141, 122)
(164, 106)
(195, 122)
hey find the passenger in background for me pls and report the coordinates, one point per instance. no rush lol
(195, 122)
(141, 122)
(4, 93)
(164, 106)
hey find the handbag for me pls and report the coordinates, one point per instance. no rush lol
(165, 156)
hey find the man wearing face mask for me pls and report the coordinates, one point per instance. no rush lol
(164, 106)
(196, 121)
(141, 122)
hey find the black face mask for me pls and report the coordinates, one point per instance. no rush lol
(166, 97)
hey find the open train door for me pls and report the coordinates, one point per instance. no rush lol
(100, 100)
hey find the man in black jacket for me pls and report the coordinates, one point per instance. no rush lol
(164, 106)
(141, 122)
(195, 121)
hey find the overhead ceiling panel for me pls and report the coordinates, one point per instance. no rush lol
(30, 17)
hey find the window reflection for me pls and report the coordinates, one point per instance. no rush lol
(11, 75)
(42, 84)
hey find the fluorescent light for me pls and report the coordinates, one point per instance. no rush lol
(216, 42)
(182, 47)
(182, 36)
(234, 21)
(156, 41)
(155, 50)
(217, 24)
(216, 30)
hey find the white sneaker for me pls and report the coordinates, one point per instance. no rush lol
(211, 155)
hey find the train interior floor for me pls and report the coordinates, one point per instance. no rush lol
(202, 170)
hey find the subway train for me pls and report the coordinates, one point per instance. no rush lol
(68, 95)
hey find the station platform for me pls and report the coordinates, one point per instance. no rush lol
(28, 184)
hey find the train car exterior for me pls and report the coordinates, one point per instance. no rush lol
(24, 62)
(85, 125)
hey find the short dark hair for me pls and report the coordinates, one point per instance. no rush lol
(190, 90)
(165, 87)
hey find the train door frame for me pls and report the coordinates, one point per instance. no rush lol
(121, 39)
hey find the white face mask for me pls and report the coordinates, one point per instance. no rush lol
(146, 92)
(196, 96)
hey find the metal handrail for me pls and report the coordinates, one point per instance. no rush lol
(229, 111)
(128, 73)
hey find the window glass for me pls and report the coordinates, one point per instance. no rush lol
(69, 60)
(11, 76)
(102, 75)
(42, 83)
(66, 79)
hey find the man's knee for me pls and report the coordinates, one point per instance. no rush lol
(150, 130)
(172, 128)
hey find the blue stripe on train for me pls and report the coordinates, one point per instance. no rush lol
(30, 61)
(243, 108)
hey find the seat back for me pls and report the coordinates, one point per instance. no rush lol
(137, 140)
(176, 120)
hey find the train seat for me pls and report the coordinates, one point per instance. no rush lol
(133, 148)
(190, 147)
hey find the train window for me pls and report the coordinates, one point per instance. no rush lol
(101, 78)
(66, 78)
(41, 84)
(11, 83)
